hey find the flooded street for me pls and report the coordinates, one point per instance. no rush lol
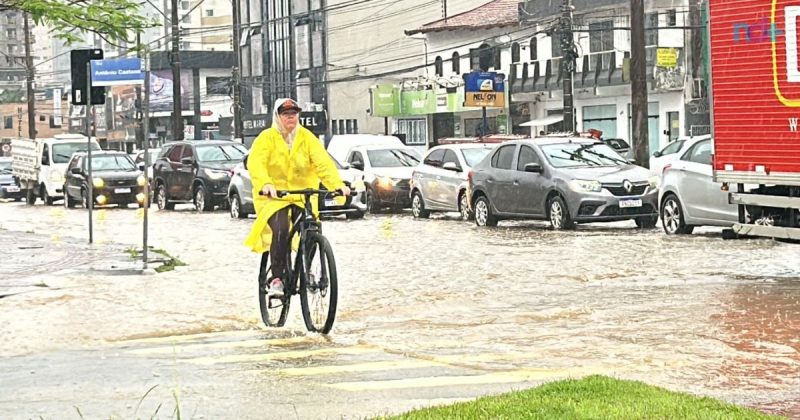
(430, 311)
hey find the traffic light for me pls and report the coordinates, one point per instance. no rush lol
(78, 61)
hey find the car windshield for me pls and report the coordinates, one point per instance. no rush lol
(336, 162)
(393, 158)
(5, 167)
(474, 155)
(220, 152)
(574, 155)
(63, 152)
(112, 163)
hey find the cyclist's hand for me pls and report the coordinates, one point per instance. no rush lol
(345, 190)
(269, 191)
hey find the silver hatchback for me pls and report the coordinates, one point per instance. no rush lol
(439, 183)
(564, 180)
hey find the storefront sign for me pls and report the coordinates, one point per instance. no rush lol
(419, 102)
(385, 101)
(484, 89)
(315, 121)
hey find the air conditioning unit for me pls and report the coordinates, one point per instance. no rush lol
(699, 88)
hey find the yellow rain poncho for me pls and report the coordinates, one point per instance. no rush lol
(272, 162)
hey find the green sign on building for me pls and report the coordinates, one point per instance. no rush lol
(385, 101)
(419, 102)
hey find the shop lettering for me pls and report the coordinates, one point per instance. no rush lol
(484, 97)
(761, 31)
(308, 121)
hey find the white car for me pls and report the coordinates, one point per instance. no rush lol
(672, 152)
(439, 183)
(386, 172)
(689, 196)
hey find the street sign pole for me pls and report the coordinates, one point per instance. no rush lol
(146, 143)
(484, 123)
(90, 197)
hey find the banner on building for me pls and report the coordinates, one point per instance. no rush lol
(667, 57)
(484, 89)
(385, 101)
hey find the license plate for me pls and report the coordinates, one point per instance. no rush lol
(331, 203)
(122, 190)
(12, 189)
(623, 204)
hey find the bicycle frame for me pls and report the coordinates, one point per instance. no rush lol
(302, 225)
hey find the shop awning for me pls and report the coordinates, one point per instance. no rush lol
(545, 121)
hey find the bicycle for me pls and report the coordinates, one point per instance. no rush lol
(314, 280)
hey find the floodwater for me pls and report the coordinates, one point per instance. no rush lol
(694, 313)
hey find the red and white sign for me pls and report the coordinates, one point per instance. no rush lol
(755, 78)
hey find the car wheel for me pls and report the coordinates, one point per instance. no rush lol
(463, 207)
(418, 207)
(85, 198)
(646, 222)
(30, 197)
(236, 207)
(202, 202)
(483, 213)
(672, 217)
(45, 197)
(558, 214)
(161, 198)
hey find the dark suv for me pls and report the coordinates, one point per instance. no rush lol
(195, 172)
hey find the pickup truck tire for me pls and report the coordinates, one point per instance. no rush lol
(30, 197)
(45, 197)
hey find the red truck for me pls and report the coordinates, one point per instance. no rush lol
(755, 91)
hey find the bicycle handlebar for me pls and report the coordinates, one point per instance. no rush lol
(309, 192)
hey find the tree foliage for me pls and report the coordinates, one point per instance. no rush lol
(115, 21)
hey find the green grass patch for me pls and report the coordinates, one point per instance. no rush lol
(593, 397)
(168, 262)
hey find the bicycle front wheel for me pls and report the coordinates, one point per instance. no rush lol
(318, 288)
(273, 311)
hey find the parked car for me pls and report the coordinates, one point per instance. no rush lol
(672, 151)
(564, 180)
(620, 146)
(195, 171)
(138, 159)
(387, 174)
(689, 196)
(8, 187)
(439, 183)
(115, 180)
(240, 194)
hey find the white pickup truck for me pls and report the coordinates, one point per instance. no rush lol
(39, 165)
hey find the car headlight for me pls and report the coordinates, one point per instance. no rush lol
(56, 178)
(582, 185)
(654, 181)
(140, 180)
(98, 182)
(386, 182)
(216, 174)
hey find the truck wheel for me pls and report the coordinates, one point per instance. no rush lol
(68, 203)
(45, 197)
(30, 196)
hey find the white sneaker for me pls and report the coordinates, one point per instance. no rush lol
(275, 289)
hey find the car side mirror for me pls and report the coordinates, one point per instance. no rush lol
(76, 170)
(140, 165)
(187, 161)
(658, 154)
(358, 165)
(244, 161)
(451, 166)
(345, 165)
(534, 167)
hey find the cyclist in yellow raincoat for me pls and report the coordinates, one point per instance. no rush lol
(286, 156)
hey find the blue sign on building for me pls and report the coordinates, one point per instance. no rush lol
(484, 89)
(115, 72)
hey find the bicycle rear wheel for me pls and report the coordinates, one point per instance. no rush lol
(273, 311)
(318, 287)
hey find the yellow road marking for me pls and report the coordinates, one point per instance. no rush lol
(250, 358)
(358, 367)
(180, 348)
(523, 375)
(189, 337)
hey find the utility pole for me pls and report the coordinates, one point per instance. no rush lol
(444, 9)
(29, 81)
(237, 93)
(177, 113)
(568, 57)
(138, 107)
(639, 85)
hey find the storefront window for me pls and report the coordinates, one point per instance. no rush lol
(601, 117)
(416, 131)
(652, 126)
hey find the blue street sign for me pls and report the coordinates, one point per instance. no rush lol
(118, 71)
(484, 89)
